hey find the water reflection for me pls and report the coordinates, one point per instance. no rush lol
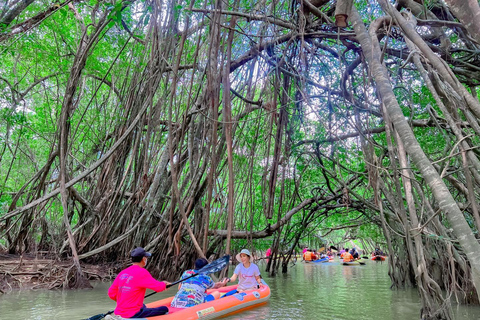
(309, 291)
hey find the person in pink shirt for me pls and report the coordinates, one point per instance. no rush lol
(268, 254)
(129, 287)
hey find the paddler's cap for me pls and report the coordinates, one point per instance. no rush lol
(200, 263)
(244, 251)
(140, 252)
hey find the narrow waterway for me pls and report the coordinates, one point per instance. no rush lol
(308, 291)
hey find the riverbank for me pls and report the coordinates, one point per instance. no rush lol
(30, 272)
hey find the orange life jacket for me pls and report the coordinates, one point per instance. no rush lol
(307, 256)
(347, 257)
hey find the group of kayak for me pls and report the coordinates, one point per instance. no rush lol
(348, 257)
(309, 255)
(198, 297)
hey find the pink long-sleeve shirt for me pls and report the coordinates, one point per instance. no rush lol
(128, 290)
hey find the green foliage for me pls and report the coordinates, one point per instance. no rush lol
(321, 149)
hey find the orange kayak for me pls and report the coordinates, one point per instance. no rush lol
(216, 308)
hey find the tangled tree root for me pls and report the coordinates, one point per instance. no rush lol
(25, 272)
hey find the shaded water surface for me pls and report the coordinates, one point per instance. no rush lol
(308, 291)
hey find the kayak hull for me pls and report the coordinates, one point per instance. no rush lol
(212, 309)
(354, 263)
(378, 258)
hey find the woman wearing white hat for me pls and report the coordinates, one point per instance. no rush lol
(247, 272)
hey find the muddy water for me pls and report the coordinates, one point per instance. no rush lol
(308, 291)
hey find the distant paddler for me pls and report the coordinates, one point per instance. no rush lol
(354, 254)
(347, 256)
(309, 255)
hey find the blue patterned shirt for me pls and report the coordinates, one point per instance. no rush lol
(192, 291)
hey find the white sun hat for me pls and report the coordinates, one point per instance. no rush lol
(245, 251)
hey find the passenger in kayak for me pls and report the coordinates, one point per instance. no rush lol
(377, 252)
(307, 256)
(268, 254)
(354, 254)
(347, 257)
(129, 287)
(329, 253)
(247, 273)
(193, 291)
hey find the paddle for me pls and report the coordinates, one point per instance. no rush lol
(213, 267)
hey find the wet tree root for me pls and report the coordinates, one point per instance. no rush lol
(29, 273)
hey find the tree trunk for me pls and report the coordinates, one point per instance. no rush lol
(441, 193)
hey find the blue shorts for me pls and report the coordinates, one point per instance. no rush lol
(150, 312)
(209, 298)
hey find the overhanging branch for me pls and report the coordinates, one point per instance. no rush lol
(269, 230)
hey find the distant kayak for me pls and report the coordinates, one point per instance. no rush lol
(322, 260)
(378, 258)
(212, 309)
(354, 263)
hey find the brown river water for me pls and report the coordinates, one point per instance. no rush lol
(309, 291)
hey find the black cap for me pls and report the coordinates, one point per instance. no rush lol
(140, 252)
(200, 263)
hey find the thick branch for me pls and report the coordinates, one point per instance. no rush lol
(272, 20)
(32, 22)
(422, 123)
(468, 13)
(14, 12)
(269, 230)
